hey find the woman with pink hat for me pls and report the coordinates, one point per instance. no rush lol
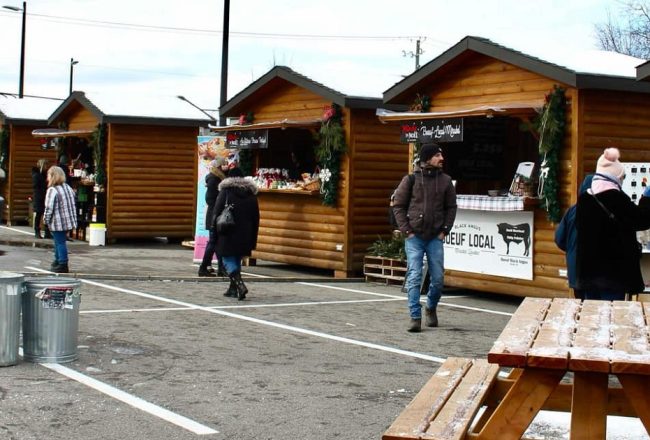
(608, 253)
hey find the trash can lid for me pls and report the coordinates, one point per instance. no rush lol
(42, 283)
(97, 225)
(11, 276)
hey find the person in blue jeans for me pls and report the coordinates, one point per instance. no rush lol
(425, 211)
(60, 215)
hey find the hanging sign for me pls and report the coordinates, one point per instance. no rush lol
(247, 139)
(432, 130)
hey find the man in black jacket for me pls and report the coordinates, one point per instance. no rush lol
(425, 212)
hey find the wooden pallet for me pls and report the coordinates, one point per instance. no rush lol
(384, 270)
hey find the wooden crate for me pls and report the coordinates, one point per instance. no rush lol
(384, 270)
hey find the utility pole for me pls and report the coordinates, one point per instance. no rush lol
(416, 54)
(224, 60)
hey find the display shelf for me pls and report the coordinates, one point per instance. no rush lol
(300, 192)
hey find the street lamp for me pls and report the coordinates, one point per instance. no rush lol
(22, 47)
(72, 63)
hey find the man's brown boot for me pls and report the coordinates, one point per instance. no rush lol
(415, 325)
(431, 318)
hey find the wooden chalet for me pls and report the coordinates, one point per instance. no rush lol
(643, 71)
(296, 228)
(18, 117)
(148, 156)
(492, 93)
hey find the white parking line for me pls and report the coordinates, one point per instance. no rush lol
(456, 306)
(19, 230)
(132, 400)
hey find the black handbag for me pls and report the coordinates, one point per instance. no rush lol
(226, 220)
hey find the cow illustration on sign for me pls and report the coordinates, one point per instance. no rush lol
(517, 234)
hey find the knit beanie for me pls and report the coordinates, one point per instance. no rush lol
(608, 163)
(428, 151)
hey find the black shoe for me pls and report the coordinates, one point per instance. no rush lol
(54, 264)
(242, 290)
(61, 268)
(232, 290)
(430, 317)
(415, 325)
(205, 273)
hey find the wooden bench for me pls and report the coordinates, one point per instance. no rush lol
(446, 405)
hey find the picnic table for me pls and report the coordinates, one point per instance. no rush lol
(545, 339)
(558, 354)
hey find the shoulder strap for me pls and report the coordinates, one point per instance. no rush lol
(607, 211)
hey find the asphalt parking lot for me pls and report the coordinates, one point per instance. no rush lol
(164, 355)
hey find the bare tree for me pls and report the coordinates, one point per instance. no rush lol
(631, 36)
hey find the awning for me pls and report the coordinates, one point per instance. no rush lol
(56, 132)
(285, 123)
(505, 109)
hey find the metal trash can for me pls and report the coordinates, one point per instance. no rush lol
(11, 288)
(51, 319)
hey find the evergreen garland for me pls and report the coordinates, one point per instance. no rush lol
(98, 144)
(246, 162)
(551, 128)
(4, 149)
(328, 152)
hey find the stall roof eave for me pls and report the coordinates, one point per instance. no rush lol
(285, 123)
(583, 77)
(56, 133)
(643, 72)
(510, 109)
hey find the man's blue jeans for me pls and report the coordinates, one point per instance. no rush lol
(416, 248)
(60, 246)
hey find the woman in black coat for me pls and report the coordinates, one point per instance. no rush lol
(608, 254)
(212, 181)
(39, 188)
(241, 193)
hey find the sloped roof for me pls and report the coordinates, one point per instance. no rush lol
(593, 70)
(30, 110)
(643, 72)
(289, 75)
(136, 109)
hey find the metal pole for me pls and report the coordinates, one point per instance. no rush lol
(21, 85)
(224, 60)
(71, 72)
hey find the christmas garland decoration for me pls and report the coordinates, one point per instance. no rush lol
(551, 128)
(4, 149)
(98, 145)
(328, 152)
(246, 162)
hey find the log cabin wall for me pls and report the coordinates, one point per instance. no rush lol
(378, 162)
(24, 151)
(482, 80)
(615, 119)
(152, 172)
(297, 228)
(80, 118)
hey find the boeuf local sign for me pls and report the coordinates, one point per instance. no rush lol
(247, 139)
(432, 130)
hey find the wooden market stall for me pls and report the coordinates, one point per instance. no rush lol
(493, 95)
(643, 71)
(285, 110)
(19, 150)
(132, 160)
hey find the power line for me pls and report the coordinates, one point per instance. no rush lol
(152, 28)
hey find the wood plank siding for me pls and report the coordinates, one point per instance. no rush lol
(24, 151)
(474, 80)
(378, 162)
(152, 174)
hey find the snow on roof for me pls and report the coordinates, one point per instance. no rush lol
(598, 62)
(145, 106)
(29, 107)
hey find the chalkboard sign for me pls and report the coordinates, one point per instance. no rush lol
(247, 139)
(433, 130)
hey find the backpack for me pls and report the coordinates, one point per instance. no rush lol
(391, 215)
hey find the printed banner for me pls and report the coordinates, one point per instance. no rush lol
(491, 243)
(209, 147)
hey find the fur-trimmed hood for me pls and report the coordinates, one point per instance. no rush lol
(238, 184)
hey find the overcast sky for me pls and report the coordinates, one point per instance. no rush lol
(354, 46)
